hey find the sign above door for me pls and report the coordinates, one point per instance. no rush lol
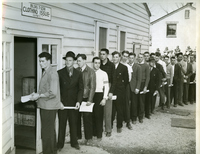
(36, 11)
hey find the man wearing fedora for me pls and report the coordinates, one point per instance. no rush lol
(71, 90)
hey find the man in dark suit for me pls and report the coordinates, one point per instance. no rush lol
(120, 89)
(71, 90)
(135, 84)
(187, 75)
(178, 80)
(153, 87)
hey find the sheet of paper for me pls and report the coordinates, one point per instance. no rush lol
(84, 108)
(114, 97)
(69, 107)
(25, 99)
(143, 92)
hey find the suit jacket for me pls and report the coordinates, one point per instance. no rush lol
(89, 82)
(136, 77)
(178, 73)
(121, 75)
(71, 88)
(189, 72)
(154, 82)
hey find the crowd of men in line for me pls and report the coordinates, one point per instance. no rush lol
(135, 81)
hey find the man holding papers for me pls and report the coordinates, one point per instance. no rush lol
(48, 100)
(71, 90)
(100, 97)
(89, 83)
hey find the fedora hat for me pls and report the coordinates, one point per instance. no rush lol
(70, 54)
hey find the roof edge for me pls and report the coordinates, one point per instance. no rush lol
(147, 9)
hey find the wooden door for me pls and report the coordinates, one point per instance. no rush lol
(52, 46)
(7, 104)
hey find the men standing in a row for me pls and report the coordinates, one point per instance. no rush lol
(192, 86)
(144, 84)
(135, 84)
(187, 75)
(126, 107)
(48, 100)
(120, 90)
(89, 83)
(109, 68)
(178, 80)
(71, 90)
(100, 97)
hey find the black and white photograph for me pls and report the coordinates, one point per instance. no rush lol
(100, 77)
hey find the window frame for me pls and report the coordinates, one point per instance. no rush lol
(170, 35)
(187, 17)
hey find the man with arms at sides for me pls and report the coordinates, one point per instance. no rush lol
(89, 83)
(178, 80)
(187, 75)
(126, 107)
(169, 76)
(146, 57)
(161, 90)
(109, 68)
(120, 90)
(48, 100)
(71, 90)
(192, 87)
(154, 85)
(172, 92)
(100, 97)
(135, 84)
(144, 84)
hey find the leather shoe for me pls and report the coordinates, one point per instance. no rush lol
(77, 147)
(134, 122)
(185, 103)
(128, 125)
(175, 105)
(181, 104)
(148, 117)
(108, 134)
(59, 149)
(141, 120)
(119, 130)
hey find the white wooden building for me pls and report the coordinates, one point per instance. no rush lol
(177, 28)
(31, 28)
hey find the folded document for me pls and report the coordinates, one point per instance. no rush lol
(85, 108)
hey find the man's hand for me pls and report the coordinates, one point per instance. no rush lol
(110, 95)
(145, 90)
(103, 102)
(61, 106)
(77, 106)
(155, 93)
(88, 103)
(34, 96)
(137, 91)
(186, 77)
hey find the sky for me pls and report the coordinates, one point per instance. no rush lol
(160, 9)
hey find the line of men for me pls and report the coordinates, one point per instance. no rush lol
(134, 80)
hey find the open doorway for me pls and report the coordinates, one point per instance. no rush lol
(25, 82)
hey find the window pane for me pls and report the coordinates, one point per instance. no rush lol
(54, 54)
(45, 48)
(171, 29)
(102, 37)
(2, 56)
(3, 85)
(8, 83)
(187, 14)
(122, 41)
(7, 55)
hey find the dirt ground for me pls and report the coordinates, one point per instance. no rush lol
(154, 136)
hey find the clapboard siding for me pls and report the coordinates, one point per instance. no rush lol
(76, 23)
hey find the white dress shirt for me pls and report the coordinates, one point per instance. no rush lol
(163, 65)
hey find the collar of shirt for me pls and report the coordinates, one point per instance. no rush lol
(141, 62)
(84, 68)
(116, 65)
(70, 69)
(47, 70)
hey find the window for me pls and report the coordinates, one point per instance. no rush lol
(187, 14)
(102, 37)
(171, 30)
(6, 70)
(52, 49)
(122, 40)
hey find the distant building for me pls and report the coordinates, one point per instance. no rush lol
(177, 28)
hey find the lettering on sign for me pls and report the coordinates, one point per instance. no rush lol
(36, 11)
